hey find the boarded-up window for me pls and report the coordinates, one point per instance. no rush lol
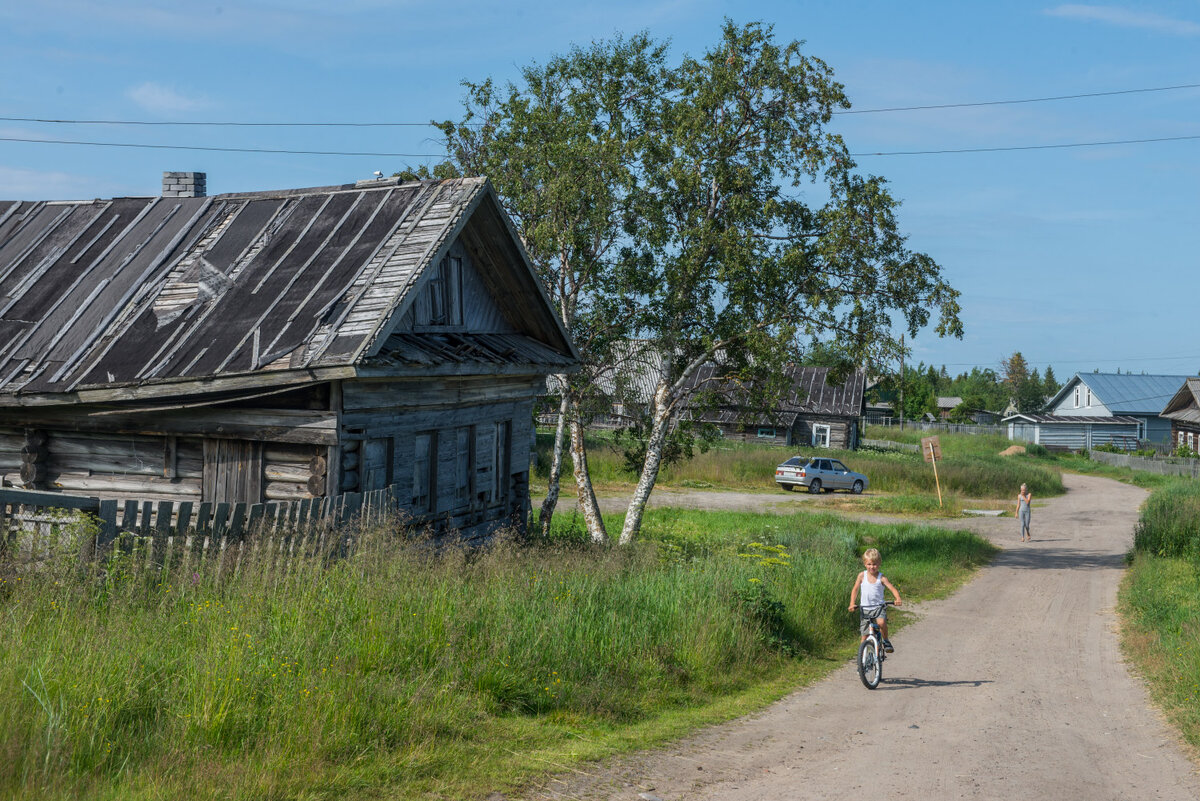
(464, 465)
(424, 475)
(377, 464)
(502, 463)
(441, 302)
(233, 471)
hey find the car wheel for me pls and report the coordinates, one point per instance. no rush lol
(815, 486)
(857, 488)
(786, 487)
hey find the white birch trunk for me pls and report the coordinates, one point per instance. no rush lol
(551, 499)
(650, 468)
(583, 480)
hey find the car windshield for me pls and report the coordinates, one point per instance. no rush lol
(795, 460)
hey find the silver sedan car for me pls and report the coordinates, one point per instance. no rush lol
(819, 474)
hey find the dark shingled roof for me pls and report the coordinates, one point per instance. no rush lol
(150, 292)
(811, 394)
(1184, 407)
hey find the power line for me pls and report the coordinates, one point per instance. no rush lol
(1014, 102)
(215, 149)
(1029, 147)
(231, 124)
(220, 149)
(226, 124)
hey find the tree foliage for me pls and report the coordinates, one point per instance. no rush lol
(705, 209)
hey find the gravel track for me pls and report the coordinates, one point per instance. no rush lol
(1013, 688)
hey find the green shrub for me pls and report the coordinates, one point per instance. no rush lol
(1036, 450)
(1170, 521)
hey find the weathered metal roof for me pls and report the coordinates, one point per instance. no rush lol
(148, 292)
(1126, 393)
(1184, 405)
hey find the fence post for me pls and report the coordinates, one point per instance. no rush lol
(108, 528)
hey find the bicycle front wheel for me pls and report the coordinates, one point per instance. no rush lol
(870, 667)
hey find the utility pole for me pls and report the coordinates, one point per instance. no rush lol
(902, 382)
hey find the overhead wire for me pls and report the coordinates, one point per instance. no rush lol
(214, 148)
(939, 106)
(1024, 100)
(1000, 149)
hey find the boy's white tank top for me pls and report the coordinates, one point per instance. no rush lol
(870, 594)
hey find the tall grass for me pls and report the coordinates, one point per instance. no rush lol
(410, 671)
(1160, 602)
(1168, 523)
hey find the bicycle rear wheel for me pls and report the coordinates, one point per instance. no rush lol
(870, 666)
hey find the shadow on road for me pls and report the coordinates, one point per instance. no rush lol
(1038, 556)
(898, 683)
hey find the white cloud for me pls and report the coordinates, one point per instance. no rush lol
(1126, 18)
(157, 98)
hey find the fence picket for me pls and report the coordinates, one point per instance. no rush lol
(183, 535)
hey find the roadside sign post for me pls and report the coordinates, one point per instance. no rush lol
(931, 449)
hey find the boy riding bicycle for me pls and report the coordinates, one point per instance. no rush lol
(868, 587)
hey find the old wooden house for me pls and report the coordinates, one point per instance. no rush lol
(1183, 410)
(818, 412)
(276, 346)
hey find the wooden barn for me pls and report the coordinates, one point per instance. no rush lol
(276, 346)
(817, 413)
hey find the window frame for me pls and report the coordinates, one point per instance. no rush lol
(817, 430)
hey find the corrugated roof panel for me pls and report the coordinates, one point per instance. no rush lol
(1129, 393)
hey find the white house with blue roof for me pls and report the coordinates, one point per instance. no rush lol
(1101, 409)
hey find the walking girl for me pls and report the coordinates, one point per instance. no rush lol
(1024, 499)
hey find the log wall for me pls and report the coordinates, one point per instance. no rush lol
(464, 417)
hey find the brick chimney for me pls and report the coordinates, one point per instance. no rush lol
(184, 184)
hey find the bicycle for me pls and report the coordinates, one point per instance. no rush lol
(871, 655)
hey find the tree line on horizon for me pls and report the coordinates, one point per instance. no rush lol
(981, 389)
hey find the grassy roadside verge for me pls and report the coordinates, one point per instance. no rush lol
(410, 673)
(1160, 604)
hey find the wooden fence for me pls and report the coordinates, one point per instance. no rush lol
(889, 445)
(34, 523)
(1168, 466)
(956, 428)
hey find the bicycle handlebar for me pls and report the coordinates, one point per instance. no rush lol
(859, 607)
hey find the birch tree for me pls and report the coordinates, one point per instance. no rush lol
(704, 209)
(744, 267)
(561, 147)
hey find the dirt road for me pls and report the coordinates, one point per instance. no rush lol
(1014, 688)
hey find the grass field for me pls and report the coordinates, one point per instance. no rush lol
(412, 673)
(972, 468)
(1160, 603)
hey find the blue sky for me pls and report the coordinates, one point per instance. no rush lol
(1080, 258)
